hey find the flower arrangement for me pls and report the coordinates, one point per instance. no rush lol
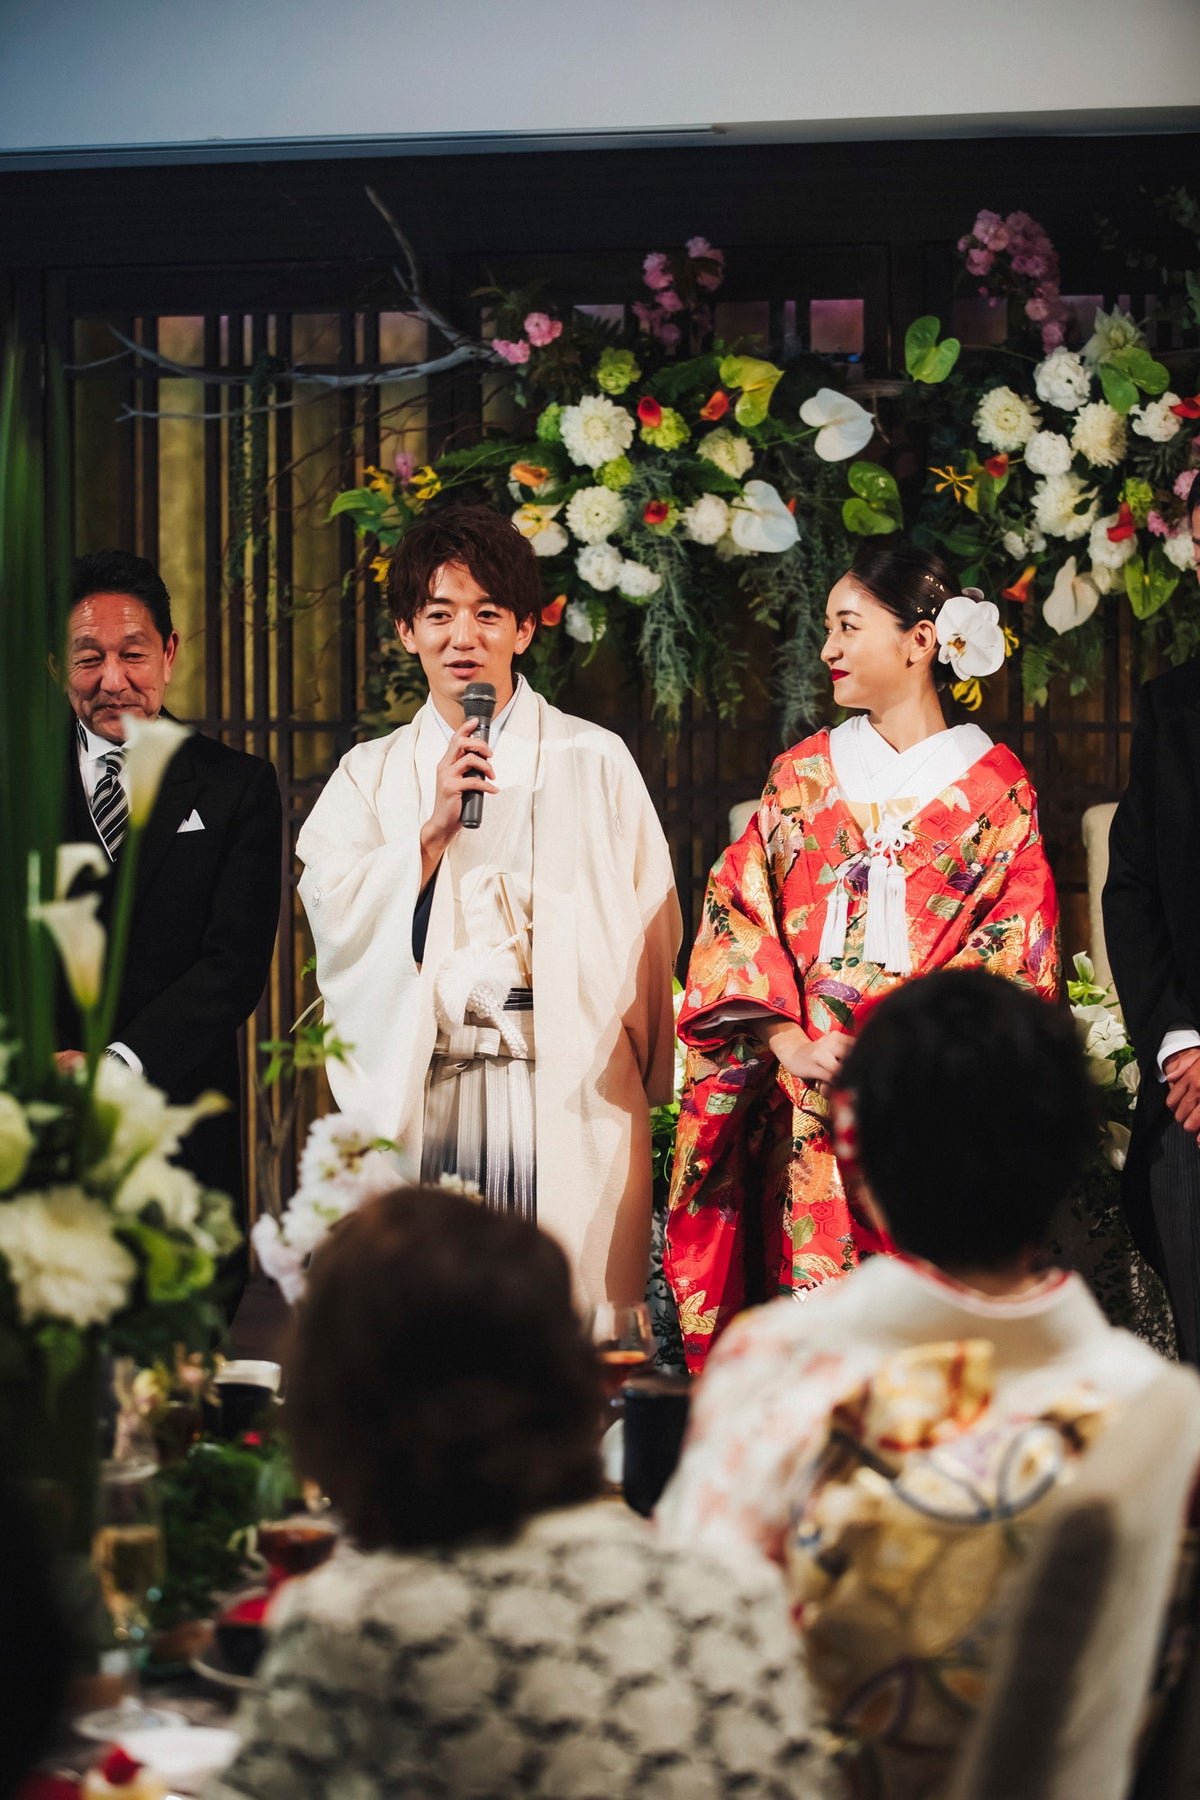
(1059, 480)
(1112, 1061)
(671, 486)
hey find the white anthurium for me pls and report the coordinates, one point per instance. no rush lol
(539, 525)
(71, 860)
(1072, 600)
(150, 745)
(81, 941)
(1117, 1146)
(970, 637)
(844, 427)
(760, 521)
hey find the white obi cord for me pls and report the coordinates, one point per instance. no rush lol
(896, 786)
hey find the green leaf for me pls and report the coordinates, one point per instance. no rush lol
(876, 485)
(357, 500)
(1119, 391)
(1140, 367)
(1193, 288)
(61, 1346)
(858, 516)
(802, 1230)
(172, 1270)
(924, 358)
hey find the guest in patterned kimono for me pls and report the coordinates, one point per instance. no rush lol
(884, 848)
(505, 991)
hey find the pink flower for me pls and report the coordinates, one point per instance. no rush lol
(1037, 309)
(979, 261)
(1052, 336)
(1183, 483)
(1157, 524)
(669, 300)
(985, 225)
(517, 352)
(405, 463)
(541, 329)
(699, 246)
(656, 270)
(998, 240)
(669, 336)
(645, 314)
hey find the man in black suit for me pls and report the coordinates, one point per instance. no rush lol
(1152, 931)
(209, 866)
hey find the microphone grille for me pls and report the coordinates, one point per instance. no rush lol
(478, 695)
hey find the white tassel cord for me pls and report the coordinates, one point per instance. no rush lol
(837, 913)
(886, 939)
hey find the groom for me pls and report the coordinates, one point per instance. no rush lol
(1151, 913)
(505, 991)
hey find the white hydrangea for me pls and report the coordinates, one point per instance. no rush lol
(1062, 380)
(1101, 548)
(1055, 502)
(1047, 453)
(596, 431)
(729, 450)
(1180, 550)
(1156, 421)
(1020, 544)
(1099, 435)
(600, 566)
(637, 582)
(1004, 419)
(594, 513)
(63, 1259)
(707, 520)
(154, 1179)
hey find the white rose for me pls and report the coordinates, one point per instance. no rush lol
(1047, 453)
(1103, 552)
(16, 1141)
(600, 566)
(728, 450)
(706, 520)
(1004, 420)
(596, 431)
(155, 1179)
(637, 582)
(1029, 542)
(1062, 380)
(1180, 550)
(1099, 435)
(63, 1259)
(594, 513)
(1156, 421)
(1055, 500)
(577, 623)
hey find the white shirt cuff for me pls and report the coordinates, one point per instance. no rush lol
(135, 1062)
(1180, 1039)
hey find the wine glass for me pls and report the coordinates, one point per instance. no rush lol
(624, 1340)
(129, 1558)
(295, 1545)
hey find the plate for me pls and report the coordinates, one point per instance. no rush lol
(185, 1756)
(211, 1665)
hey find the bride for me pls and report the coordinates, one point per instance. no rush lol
(884, 848)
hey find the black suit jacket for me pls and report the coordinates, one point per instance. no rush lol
(203, 930)
(1152, 905)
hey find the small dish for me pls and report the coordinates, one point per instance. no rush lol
(185, 1757)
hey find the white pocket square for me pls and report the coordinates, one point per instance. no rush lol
(193, 822)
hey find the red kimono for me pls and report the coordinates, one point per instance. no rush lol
(757, 1204)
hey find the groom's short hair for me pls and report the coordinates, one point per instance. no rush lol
(485, 542)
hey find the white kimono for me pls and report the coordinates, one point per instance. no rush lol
(605, 933)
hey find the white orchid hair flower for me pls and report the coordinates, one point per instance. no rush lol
(843, 426)
(968, 630)
(760, 521)
(150, 744)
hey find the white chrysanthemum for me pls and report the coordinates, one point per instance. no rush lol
(1055, 500)
(1103, 552)
(63, 1259)
(596, 431)
(707, 520)
(154, 1179)
(1180, 550)
(1099, 435)
(1111, 332)
(637, 582)
(594, 513)
(1156, 421)
(16, 1141)
(600, 566)
(1047, 453)
(729, 450)
(1020, 544)
(577, 623)
(1004, 419)
(1062, 380)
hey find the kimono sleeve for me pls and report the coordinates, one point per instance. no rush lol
(1016, 932)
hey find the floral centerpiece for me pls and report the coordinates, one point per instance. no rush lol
(673, 488)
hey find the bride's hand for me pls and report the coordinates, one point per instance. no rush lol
(815, 1060)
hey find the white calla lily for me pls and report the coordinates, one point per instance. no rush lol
(1072, 599)
(81, 940)
(760, 521)
(970, 637)
(71, 860)
(844, 427)
(150, 745)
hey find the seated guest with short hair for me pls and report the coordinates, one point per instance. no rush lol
(490, 1632)
(891, 1439)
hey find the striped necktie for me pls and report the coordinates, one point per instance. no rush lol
(110, 807)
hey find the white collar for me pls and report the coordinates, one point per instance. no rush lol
(95, 747)
(498, 723)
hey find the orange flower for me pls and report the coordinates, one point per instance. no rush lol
(1125, 526)
(997, 466)
(656, 512)
(530, 475)
(553, 613)
(649, 411)
(716, 406)
(1019, 590)
(1187, 409)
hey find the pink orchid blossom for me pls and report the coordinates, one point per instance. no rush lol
(656, 271)
(404, 465)
(541, 329)
(517, 352)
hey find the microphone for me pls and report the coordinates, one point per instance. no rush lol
(478, 702)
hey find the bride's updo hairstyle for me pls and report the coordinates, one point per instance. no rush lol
(912, 583)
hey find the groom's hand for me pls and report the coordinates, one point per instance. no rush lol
(466, 767)
(1183, 1089)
